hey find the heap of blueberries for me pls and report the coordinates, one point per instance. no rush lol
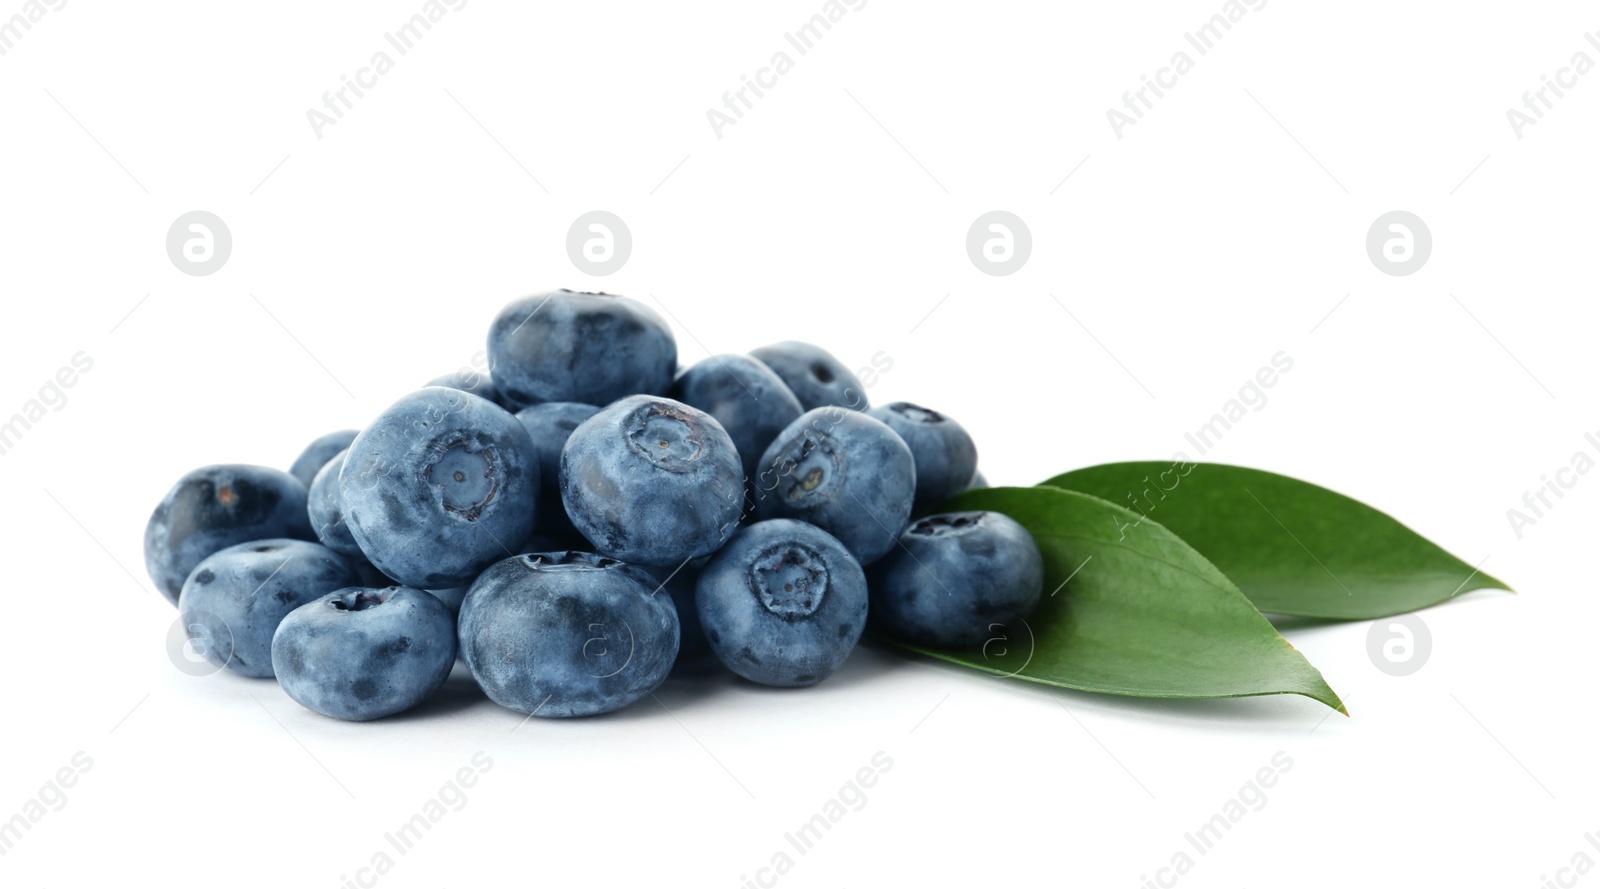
(584, 516)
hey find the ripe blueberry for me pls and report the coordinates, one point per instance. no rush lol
(592, 348)
(440, 485)
(746, 397)
(469, 380)
(232, 603)
(360, 653)
(319, 452)
(550, 425)
(783, 603)
(652, 481)
(326, 510)
(567, 634)
(816, 377)
(844, 472)
(945, 455)
(957, 578)
(215, 507)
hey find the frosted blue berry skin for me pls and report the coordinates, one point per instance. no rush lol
(815, 377)
(471, 381)
(319, 452)
(592, 348)
(326, 511)
(361, 653)
(946, 457)
(750, 401)
(652, 481)
(955, 578)
(843, 471)
(233, 601)
(442, 484)
(215, 507)
(783, 604)
(567, 634)
(549, 425)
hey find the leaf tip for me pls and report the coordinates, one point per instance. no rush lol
(1485, 582)
(1332, 701)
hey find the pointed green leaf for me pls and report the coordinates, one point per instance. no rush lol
(1131, 609)
(1294, 548)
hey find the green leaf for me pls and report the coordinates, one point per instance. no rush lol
(1130, 609)
(1294, 548)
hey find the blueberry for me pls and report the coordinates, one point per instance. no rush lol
(844, 472)
(567, 634)
(469, 380)
(232, 603)
(592, 348)
(549, 425)
(746, 397)
(945, 455)
(326, 510)
(440, 485)
(978, 481)
(319, 452)
(215, 507)
(783, 603)
(362, 653)
(816, 377)
(958, 578)
(652, 481)
(537, 543)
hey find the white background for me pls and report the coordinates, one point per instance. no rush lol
(1226, 226)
